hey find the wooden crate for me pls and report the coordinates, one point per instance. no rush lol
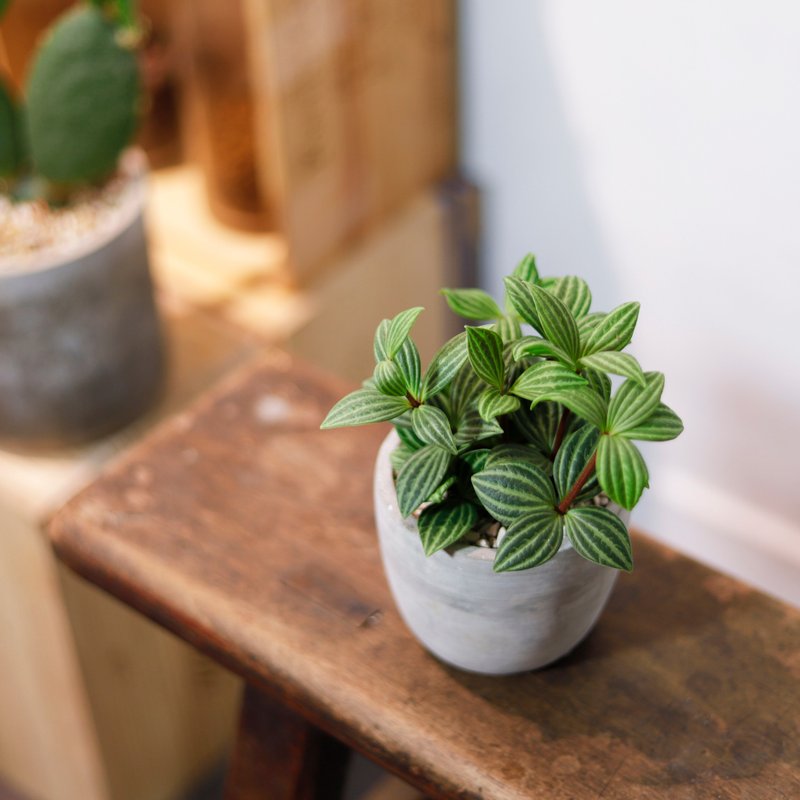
(96, 702)
(355, 107)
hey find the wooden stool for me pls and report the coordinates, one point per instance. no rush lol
(246, 531)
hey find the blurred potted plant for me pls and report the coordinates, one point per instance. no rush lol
(80, 344)
(502, 496)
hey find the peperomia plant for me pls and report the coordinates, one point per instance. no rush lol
(81, 104)
(519, 429)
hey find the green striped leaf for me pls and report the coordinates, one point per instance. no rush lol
(615, 363)
(432, 426)
(465, 390)
(510, 488)
(379, 343)
(493, 404)
(661, 426)
(557, 323)
(485, 350)
(405, 431)
(399, 328)
(476, 459)
(439, 494)
(573, 456)
(471, 427)
(536, 346)
(388, 379)
(364, 406)
(526, 269)
(530, 540)
(633, 404)
(442, 526)
(599, 535)
(583, 402)
(508, 328)
(539, 426)
(420, 475)
(587, 324)
(521, 299)
(614, 331)
(545, 379)
(472, 304)
(599, 382)
(399, 456)
(573, 292)
(513, 451)
(445, 366)
(621, 470)
(407, 359)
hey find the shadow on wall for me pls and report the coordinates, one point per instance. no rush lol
(516, 135)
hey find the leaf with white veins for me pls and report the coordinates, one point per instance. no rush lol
(493, 404)
(621, 470)
(399, 328)
(615, 363)
(510, 488)
(614, 331)
(432, 426)
(633, 404)
(420, 475)
(485, 349)
(364, 406)
(443, 525)
(472, 304)
(530, 540)
(600, 536)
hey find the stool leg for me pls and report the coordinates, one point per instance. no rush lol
(280, 756)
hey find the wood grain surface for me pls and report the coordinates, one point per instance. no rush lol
(247, 531)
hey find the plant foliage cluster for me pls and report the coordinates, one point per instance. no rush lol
(518, 428)
(80, 107)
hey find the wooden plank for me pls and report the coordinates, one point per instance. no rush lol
(262, 553)
(95, 701)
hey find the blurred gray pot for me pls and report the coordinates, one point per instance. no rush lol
(80, 342)
(474, 618)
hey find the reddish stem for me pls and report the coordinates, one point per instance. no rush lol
(413, 400)
(560, 433)
(586, 473)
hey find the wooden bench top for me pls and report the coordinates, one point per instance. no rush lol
(248, 532)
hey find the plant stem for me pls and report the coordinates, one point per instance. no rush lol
(560, 432)
(413, 400)
(586, 473)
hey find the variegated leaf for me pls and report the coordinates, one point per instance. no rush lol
(599, 536)
(545, 379)
(599, 382)
(538, 426)
(615, 363)
(573, 456)
(443, 525)
(513, 451)
(405, 431)
(573, 292)
(407, 359)
(420, 475)
(471, 427)
(379, 345)
(557, 323)
(388, 379)
(584, 402)
(445, 366)
(399, 328)
(485, 350)
(508, 328)
(533, 346)
(661, 426)
(510, 488)
(432, 426)
(476, 459)
(621, 470)
(521, 299)
(399, 456)
(526, 269)
(440, 492)
(472, 304)
(530, 540)
(363, 407)
(492, 404)
(614, 331)
(633, 404)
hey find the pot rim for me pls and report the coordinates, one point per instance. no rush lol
(53, 257)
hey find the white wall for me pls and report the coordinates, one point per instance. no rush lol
(654, 148)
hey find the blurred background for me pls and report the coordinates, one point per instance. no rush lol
(318, 165)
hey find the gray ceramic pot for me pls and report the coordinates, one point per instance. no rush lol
(80, 341)
(474, 618)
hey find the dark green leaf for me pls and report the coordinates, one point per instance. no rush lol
(530, 540)
(526, 269)
(406, 433)
(621, 470)
(399, 456)
(442, 526)
(521, 298)
(510, 488)
(493, 404)
(407, 358)
(12, 138)
(599, 382)
(485, 349)
(476, 459)
(661, 426)
(633, 404)
(583, 402)
(587, 324)
(600, 536)
(518, 452)
(432, 426)
(472, 304)
(539, 425)
(557, 323)
(364, 406)
(614, 331)
(420, 475)
(615, 363)
(574, 293)
(536, 346)
(573, 456)
(508, 328)
(389, 380)
(445, 366)
(472, 428)
(399, 328)
(545, 379)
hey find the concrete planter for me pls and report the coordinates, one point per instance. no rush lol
(80, 341)
(473, 618)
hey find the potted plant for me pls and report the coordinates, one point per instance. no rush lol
(502, 495)
(80, 345)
